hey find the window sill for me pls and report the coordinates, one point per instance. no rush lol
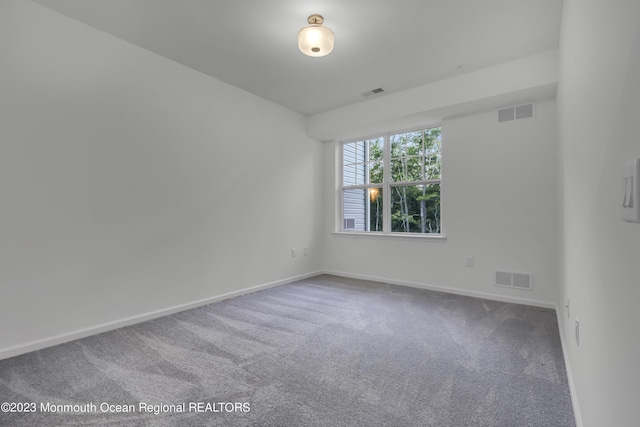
(400, 236)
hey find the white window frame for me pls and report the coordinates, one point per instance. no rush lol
(386, 187)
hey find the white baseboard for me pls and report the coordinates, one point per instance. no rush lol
(483, 295)
(19, 349)
(572, 389)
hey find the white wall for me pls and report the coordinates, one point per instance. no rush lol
(599, 128)
(498, 205)
(130, 183)
(532, 77)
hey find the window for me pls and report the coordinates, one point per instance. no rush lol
(391, 183)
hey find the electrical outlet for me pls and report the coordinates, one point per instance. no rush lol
(578, 332)
(470, 261)
(293, 252)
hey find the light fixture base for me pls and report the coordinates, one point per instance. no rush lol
(315, 19)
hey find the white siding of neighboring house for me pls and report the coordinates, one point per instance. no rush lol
(354, 201)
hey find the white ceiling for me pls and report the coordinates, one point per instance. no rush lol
(393, 44)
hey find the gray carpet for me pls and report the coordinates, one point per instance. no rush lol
(325, 351)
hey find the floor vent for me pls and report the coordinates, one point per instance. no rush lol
(519, 112)
(512, 279)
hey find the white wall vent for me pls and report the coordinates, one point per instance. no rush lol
(518, 112)
(512, 279)
(373, 91)
(349, 223)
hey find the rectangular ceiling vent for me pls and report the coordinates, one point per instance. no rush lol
(373, 92)
(512, 279)
(518, 112)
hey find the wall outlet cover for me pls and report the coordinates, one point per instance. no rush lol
(631, 199)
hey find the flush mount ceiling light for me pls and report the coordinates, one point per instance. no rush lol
(314, 39)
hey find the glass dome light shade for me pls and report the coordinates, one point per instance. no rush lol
(315, 40)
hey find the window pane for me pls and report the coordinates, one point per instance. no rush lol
(407, 169)
(354, 208)
(375, 209)
(354, 174)
(407, 156)
(362, 209)
(433, 153)
(362, 162)
(376, 149)
(348, 175)
(406, 144)
(433, 140)
(376, 155)
(433, 166)
(349, 153)
(360, 175)
(376, 173)
(415, 209)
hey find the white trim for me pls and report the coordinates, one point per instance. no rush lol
(386, 190)
(374, 234)
(448, 290)
(19, 349)
(419, 182)
(572, 387)
(363, 186)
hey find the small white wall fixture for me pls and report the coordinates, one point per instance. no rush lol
(631, 200)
